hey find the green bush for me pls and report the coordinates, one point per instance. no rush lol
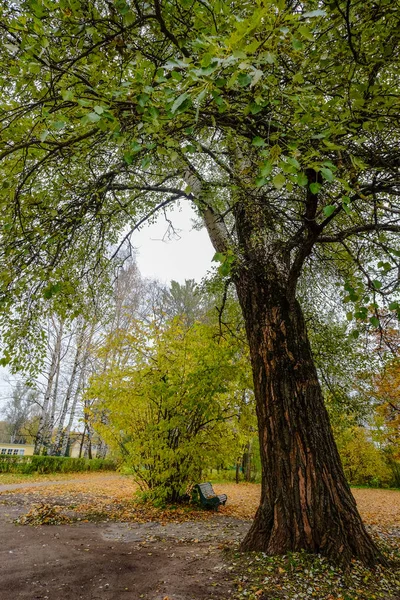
(394, 466)
(363, 462)
(54, 464)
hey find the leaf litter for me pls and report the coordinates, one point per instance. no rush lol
(295, 576)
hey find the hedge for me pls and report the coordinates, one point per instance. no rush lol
(54, 464)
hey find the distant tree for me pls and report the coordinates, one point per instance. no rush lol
(20, 413)
(185, 301)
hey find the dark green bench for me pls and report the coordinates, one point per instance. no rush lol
(208, 498)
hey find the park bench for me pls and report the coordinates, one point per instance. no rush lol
(208, 498)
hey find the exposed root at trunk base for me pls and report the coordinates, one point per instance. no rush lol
(340, 542)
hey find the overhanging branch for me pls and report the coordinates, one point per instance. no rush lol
(370, 228)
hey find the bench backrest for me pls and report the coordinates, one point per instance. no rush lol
(206, 489)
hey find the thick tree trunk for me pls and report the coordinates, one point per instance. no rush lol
(306, 503)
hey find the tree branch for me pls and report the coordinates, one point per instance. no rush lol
(372, 227)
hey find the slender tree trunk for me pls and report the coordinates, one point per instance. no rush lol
(67, 431)
(237, 470)
(102, 449)
(50, 425)
(82, 442)
(246, 462)
(60, 429)
(306, 503)
(42, 434)
(79, 388)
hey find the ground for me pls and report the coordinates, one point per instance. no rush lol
(98, 544)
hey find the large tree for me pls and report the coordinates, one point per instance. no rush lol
(278, 121)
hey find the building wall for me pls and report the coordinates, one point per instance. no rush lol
(16, 449)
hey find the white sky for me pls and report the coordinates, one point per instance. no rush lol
(188, 256)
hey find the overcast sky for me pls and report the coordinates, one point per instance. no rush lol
(185, 255)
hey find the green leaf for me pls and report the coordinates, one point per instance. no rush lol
(244, 79)
(146, 162)
(329, 210)
(225, 269)
(266, 168)
(377, 284)
(260, 181)
(93, 117)
(393, 306)
(279, 181)
(302, 179)
(239, 54)
(293, 161)
(59, 124)
(297, 44)
(298, 78)
(67, 94)
(315, 187)
(179, 101)
(143, 99)
(306, 33)
(268, 57)
(374, 321)
(258, 142)
(136, 147)
(98, 109)
(314, 13)
(327, 174)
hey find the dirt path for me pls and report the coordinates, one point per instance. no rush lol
(116, 561)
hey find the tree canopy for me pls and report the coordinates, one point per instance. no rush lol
(112, 110)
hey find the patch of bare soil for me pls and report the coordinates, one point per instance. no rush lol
(111, 561)
(157, 555)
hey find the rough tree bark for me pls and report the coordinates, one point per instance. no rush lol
(306, 502)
